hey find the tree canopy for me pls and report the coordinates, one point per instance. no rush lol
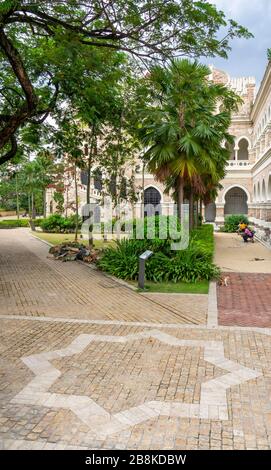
(47, 46)
(183, 131)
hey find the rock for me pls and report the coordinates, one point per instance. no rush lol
(72, 251)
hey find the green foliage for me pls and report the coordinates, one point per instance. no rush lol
(71, 50)
(59, 199)
(56, 223)
(190, 265)
(181, 131)
(14, 223)
(232, 222)
(155, 225)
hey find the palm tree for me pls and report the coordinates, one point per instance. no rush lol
(182, 130)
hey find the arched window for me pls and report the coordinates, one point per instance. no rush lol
(236, 201)
(84, 177)
(243, 150)
(230, 147)
(98, 180)
(152, 199)
(210, 212)
(51, 207)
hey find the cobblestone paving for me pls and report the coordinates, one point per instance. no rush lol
(32, 284)
(130, 373)
(121, 376)
(246, 301)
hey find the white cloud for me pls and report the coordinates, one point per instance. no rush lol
(243, 8)
(248, 57)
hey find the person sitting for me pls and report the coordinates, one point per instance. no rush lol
(242, 227)
(248, 235)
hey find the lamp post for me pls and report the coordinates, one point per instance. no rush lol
(141, 273)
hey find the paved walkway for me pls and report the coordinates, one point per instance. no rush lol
(246, 301)
(233, 255)
(126, 374)
(33, 284)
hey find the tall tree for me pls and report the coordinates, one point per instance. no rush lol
(68, 140)
(39, 40)
(182, 130)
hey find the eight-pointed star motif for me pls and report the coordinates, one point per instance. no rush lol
(213, 399)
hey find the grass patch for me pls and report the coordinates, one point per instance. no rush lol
(14, 223)
(57, 238)
(199, 287)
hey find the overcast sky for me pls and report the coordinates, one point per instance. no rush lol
(248, 57)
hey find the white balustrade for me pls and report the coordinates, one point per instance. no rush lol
(239, 164)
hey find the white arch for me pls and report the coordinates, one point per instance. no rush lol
(235, 186)
(159, 191)
(243, 137)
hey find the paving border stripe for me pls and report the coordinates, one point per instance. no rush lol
(213, 398)
(100, 322)
(212, 316)
(253, 329)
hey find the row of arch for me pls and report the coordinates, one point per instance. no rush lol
(264, 122)
(262, 191)
(235, 200)
(239, 151)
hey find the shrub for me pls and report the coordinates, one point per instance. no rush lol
(156, 225)
(232, 222)
(38, 222)
(56, 223)
(14, 223)
(190, 265)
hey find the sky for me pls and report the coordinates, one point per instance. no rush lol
(248, 57)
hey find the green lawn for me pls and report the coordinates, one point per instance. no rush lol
(200, 287)
(57, 238)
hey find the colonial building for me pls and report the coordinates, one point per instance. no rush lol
(247, 185)
(246, 188)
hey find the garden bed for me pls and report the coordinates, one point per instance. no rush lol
(191, 265)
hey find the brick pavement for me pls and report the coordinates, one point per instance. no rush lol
(119, 370)
(123, 376)
(246, 301)
(32, 284)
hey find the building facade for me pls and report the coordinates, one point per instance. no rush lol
(246, 189)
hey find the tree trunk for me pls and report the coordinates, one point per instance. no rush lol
(17, 198)
(44, 203)
(180, 197)
(143, 190)
(67, 201)
(22, 114)
(32, 205)
(76, 204)
(197, 214)
(191, 210)
(29, 205)
(90, 161)
(200, 211)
